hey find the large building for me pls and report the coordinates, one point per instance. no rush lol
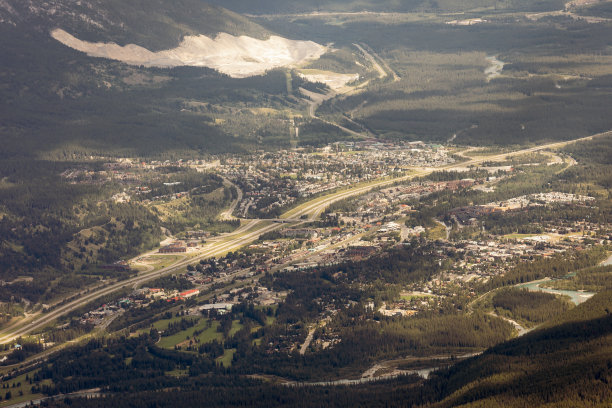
(175, 247)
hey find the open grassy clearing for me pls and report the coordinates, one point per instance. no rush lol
(157, 260)
(22, 390)
(208, 334)
(178, 373)
(436, 232)
(162, 261)
(519, 236)
(163, 323)
(226, 358)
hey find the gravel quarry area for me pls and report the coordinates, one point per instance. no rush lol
(238, 57)
(334, 80)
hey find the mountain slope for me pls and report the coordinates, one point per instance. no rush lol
(436, 6)
(56, 99)
(153, 24)
(568, 363)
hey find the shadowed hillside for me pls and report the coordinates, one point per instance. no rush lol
(153, 24)
(437, 6)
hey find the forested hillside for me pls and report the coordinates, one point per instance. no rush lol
(566, 364)
(152, 24)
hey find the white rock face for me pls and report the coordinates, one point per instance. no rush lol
(237, 57)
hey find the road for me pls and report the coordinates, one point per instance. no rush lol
(316, 99)
(213, 249)
(91, 393)
(245, 235)
(520, 329)
(446, 228)
(374, 56)
(381, 72)
(229, 213)
(607, 261)
(308, 340)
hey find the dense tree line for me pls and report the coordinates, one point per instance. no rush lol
(534, 307)
(173, 282)
(594, 279)
(55, 212)
(554, 267)
(179, 326)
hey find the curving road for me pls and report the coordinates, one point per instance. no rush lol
(229, 213)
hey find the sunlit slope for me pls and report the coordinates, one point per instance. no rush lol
(236, 56)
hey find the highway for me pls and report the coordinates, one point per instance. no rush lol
(244, 235)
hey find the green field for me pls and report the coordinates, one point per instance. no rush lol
(411, 297)
(236, 326)
(437, 232)
(178, 373)
(163, 324)
(208, 335)
(519, 236)
(226, 358)
(23, 388)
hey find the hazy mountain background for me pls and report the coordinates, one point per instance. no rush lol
(439, 6)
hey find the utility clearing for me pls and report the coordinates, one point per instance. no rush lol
(238, 57)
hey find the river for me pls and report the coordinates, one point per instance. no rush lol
(424, 373)
(607, 262)
(494, 70)
(576, 296)
(370, 375)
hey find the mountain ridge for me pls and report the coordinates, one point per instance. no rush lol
(153, 24)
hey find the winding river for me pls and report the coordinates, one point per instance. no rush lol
(494, 70)
(577, 296)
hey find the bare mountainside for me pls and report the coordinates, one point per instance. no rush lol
(237, 57)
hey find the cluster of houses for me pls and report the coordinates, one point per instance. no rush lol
(541, 199)
(169, 295)
(470, 214)
(272, 180)
(177, 247)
